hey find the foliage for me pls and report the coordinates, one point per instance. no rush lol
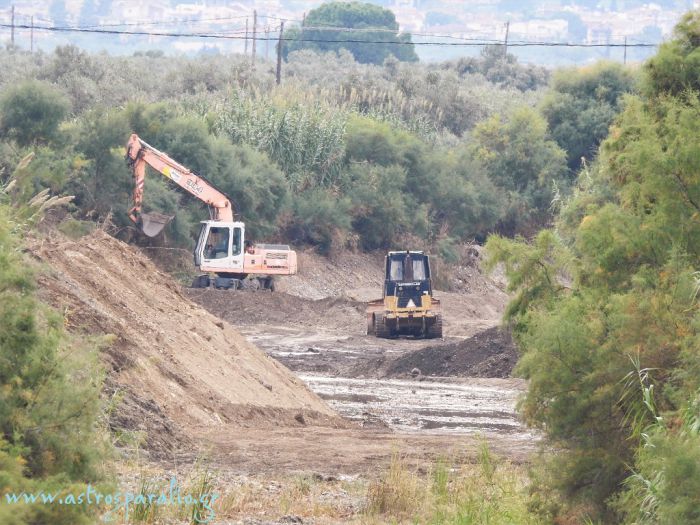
(502, 69)
(606, 314)
(31, 112)
(49, 384)
(519, 157)
(391, 144)
(307, 142)
(259, 189)
(371, 23)
(492, 491)
(319, 216)
(380, 208)
(582, 104)
(676, 67)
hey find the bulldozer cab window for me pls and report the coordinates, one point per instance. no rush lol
(217, 243)
(419, 273)
(395, 270)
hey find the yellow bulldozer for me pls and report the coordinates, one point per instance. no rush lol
(408, 306)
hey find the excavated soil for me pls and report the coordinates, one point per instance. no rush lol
(455, 386)
(490, 353)
(191, 376)
(177, 369)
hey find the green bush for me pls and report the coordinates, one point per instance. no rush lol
(520, 158)
(606, 312)
(381, 209)
(320, 218)
(31, 112)
(49, 398)
(581, 105)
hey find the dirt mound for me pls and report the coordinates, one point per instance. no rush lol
(490, 353)
(246, 307)
(177, 368)
(321, 277)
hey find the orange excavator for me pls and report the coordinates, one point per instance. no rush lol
(221, 246)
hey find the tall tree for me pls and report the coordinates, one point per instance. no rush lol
(31, 112)
(582, 104)
(365, 23)
(607, 315)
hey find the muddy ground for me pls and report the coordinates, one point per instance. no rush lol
(406, 388)
(188, 367)
(427, 400)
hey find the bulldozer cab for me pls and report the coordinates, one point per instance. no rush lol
(407, 276)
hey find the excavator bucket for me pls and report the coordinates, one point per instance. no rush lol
(153, 223)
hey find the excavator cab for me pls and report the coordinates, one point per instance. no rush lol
(219, 248)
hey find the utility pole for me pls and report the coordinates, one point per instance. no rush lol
(245, 52)
(12, 31)
(624, 60)
(31, 36)
(279, 54)
(255, 31)
(267, 42)
(505, 42)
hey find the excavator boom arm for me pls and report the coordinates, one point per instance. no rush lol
(139, 154)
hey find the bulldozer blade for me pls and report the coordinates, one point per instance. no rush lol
(153, 223)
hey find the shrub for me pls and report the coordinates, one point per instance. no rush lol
(31, 112)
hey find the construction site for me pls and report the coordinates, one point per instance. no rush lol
(268, 387)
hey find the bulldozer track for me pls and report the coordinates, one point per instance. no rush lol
(434, 331)
(380, 328)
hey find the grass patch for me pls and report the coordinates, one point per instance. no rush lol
(491, 491)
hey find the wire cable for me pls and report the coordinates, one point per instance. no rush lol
(214, 36)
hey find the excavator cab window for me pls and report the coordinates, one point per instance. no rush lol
(220, 246)
(236, 250)
(217, 243)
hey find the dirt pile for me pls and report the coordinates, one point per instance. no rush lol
(245, 308)
(490, 353)
(177, 368)
(320, 277)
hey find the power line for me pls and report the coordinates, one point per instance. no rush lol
(304, 28)
(392, 31)
(216, 36)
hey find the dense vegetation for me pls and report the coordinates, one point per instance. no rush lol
(606, 312)
(49, 384)
(342, 154)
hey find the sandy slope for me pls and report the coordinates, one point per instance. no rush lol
(177, 367)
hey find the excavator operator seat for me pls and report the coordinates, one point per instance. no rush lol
(217, 243)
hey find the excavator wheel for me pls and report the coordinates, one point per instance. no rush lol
(267, 283)
(370, 324)
(434, 331)
(226, 283)
(380, 328)
(201, 281)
